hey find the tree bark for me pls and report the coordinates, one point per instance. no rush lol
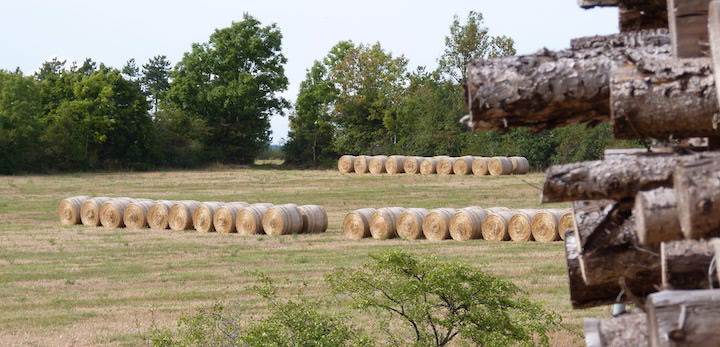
(664, 98)
(625, 330)
(685, 264)
(688, 24)
(684, 318)
(656, 218)
(549, 89)
(697, 189)
(714, 38)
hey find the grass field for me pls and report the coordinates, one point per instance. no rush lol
(89, 286)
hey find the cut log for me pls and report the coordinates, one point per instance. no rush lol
(548, 89)
(615, 178)
(664, 98)
(714, 37)
(697, 189)
(597, 3)
(688, 23)
(634, 14)
(656, 218)
(625, 330)
(684, 318)
(685, 264)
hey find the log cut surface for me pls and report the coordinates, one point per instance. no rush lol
(684, 318)
(625, 330)
(697, 190)
(685, 264)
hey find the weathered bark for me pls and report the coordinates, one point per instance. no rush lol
(549, 89)
(618, 152)
(697, 190)
(688, 23)
(685, 264)
(714, 38)
(684, 318)
(597, 3)
(625, 330)
(634, 14)
(656, 217)
(615, 178)
(664, 98)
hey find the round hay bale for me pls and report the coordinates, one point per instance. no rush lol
(356, 224)
(282, 220)
(203, 216)
(90, 211)
(314, 219)
(409, 223)
(520, 225)
(436, 225)
(495, 226)
(376, 165)
(360, 164)
(113, 211)
(445, 165)
(395, 164)
(346, 164)
(463, 165)
(545, 225)
(520, 165)
(69, 210)
(480, 166)
(411, 165)
(428, 166)
(466, 223)
(567, 221)
(384, 221)
(225, 216)
(249, 219)
(180, 215)
(136, 214)
(157, 216)
(500, 166)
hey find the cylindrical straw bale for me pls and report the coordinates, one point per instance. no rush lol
(204, 215)
(520, 225)
(520, 165)
(500, 166)
(495, 226)
(445, 165)
(282, 220)
(436, 225)
(90, 211)
(113, 211)
(384, 221)
(409, 223)
(346, 164)
(567, 221)
(158, 213)
(463, 165)
(136, 214)
(466, 223)
(395, 164)
(360, 164)
(180, 215)
(69, 210)
(356, 224)
(377, 164)
(545, 225)
(480, 166)
(428, 166)
(314, 219)
(249, 219)
(411, 165)
(225, 216)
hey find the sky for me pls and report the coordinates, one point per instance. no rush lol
(114, 31)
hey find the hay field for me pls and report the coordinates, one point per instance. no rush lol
(87, 286)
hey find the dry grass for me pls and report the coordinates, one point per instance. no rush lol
(73, 285)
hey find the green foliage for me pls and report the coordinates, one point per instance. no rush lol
(439, 301)
(156, 79)
(232, 82)
(21, 114)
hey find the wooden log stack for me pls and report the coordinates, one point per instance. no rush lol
(644, 219)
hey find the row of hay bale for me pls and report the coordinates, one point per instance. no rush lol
(495, 224)
(441, 165)
(225, 217)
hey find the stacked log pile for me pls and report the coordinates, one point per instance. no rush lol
(643, 219)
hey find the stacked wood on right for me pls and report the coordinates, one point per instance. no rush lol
(469, 223)
(441, 165)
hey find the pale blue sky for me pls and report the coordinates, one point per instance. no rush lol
(114, 31)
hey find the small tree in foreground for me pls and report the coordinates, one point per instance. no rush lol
(440, 301)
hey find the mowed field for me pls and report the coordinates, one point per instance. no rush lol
(88, 286)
